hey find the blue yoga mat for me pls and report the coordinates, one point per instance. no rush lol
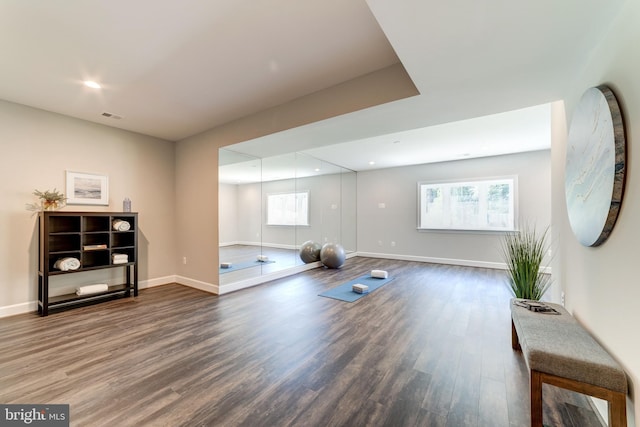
(243, 265)
(344, 293)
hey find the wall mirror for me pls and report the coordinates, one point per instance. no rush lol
(268, 207)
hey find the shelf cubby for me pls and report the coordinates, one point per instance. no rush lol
(95, 258)
(55, 256)
(91, 238)
(123, 239)
(128, 218)
(94, 223)
(66, 242)
(64, 224)
(129, 251)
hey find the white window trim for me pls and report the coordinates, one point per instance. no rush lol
(450, 183)
(271, 221)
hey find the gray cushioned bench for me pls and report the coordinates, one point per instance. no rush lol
(560, 352)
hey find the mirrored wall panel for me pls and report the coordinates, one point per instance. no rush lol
(269, 207)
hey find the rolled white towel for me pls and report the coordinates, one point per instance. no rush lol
(379, 274)
(67, 263)
(121, 225)
(92, 289)
(263, 258)
(119, 258)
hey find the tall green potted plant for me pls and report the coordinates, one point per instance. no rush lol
(523, 252)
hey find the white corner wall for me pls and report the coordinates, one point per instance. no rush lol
(37, 148)
(197, 160)
(392, 231)
(228, 214)
(601, 284)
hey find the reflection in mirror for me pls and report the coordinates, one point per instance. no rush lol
(282, 210)
(239, 183)
(269, 207)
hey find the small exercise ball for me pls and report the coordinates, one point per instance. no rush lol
(310, 251)
(332, 255)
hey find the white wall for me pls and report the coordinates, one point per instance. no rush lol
(601, 284)
(331, 212)
(37, 148)
(249, 213)
(228, 214)
(197, 160)
(396, 188)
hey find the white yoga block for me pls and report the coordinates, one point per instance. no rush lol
(225, 265)
(263, 258)
(360, 288)
(379, 274)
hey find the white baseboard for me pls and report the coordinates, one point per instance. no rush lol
(434, 260)
(198, 284)
(12, 310)
(32, 306)
(351, 255)
(144, 284)
(267, 245)
(447, 261)
(262, 244)
(280, 246)
(244, 243)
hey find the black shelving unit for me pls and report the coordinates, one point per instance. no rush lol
(91, 238)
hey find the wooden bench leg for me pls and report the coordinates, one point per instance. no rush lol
(515, 343)
(618, 410)
(536, 399)
(617, 402)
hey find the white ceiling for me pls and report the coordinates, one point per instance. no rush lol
(175, 69)
(527, 129)
(515, 131)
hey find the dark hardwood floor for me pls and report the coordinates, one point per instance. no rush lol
(431, 348)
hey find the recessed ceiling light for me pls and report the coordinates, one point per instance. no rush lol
(92, 84)
(372, 162)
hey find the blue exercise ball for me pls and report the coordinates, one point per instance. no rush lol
(310, 251)
(332, 255)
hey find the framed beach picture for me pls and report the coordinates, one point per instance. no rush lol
(87, 189)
